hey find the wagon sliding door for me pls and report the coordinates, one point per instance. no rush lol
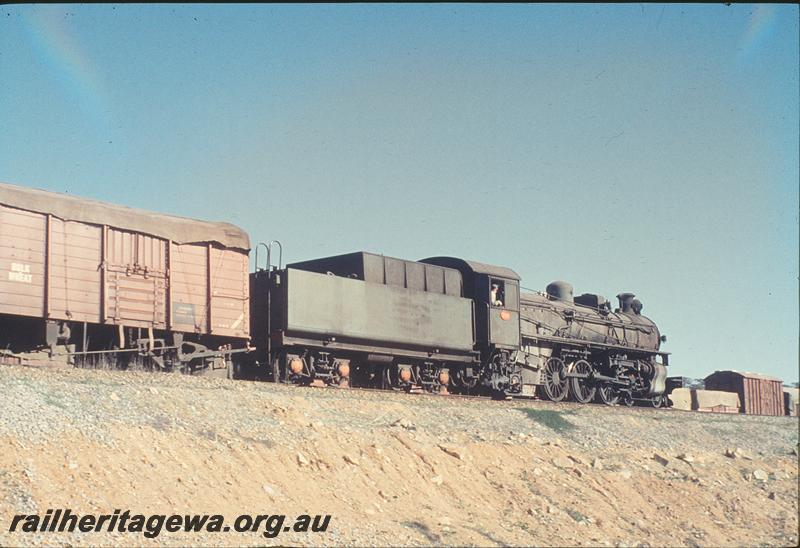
(136, 279)
(73, 271)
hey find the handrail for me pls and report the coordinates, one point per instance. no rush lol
(280, 253)
(256, 258)
(268, 247)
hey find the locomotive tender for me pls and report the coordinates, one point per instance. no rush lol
(80, 279)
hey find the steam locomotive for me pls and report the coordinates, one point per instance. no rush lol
(82, 280)
(446, 324)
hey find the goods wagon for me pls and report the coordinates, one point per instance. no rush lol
(715, 401)
(758, 394)
(80, 278)
(697, 399)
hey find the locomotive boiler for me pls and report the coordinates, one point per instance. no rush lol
(578, 346)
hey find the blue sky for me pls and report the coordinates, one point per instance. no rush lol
(644, 148)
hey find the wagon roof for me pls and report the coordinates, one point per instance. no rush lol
(745, 374)
(170, 227)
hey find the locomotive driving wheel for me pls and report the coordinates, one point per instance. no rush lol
(607, 394)
(583, 388)
(554, 379)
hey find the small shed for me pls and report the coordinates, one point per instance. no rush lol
(758, 394)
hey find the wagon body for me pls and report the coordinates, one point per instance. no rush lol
(74, 260)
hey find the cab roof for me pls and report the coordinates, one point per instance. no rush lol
(473, 266)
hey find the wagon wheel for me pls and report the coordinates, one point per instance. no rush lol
(554, 379)
(607, 394)
(582, 389)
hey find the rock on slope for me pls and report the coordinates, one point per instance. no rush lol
(392, 469)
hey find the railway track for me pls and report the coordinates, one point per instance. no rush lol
(320, 387)
(510, 402)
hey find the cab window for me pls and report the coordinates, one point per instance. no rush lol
(497, 292)
(511, 296)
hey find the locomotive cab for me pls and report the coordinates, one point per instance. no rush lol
(495, 292)
(497, 307)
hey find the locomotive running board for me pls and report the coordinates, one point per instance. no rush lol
(583, 344)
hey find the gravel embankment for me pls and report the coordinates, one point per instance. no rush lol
(391, 468)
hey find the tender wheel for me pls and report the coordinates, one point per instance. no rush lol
(397, 378)
(554, 379)
(657, 401)
(607, 394)
(583, 389)
(463, 385)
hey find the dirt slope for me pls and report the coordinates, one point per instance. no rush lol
(392, 469)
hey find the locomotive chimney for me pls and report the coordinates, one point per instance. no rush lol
(625, 300)
(560, 291)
